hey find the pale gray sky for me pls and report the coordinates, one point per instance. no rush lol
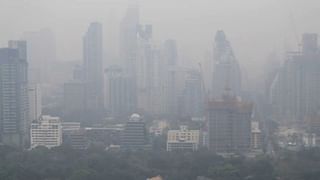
(254, 27)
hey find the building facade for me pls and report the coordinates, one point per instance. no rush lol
(183, 139)
(229, 125)
(93, 67)
(119, 93)
(294, 92)
(47, 131)
(35, 101)
(14, 115)
(134, 135)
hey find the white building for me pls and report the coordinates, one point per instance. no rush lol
(256, 136)
(47, 131)
(183, 139)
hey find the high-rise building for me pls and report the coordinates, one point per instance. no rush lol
(294, 92)
(229, 125)
(46, 131)
(128, 49)
(119, 93)
(170, 52)
(74, 97)
(192, 99)
(41, 55)
(183, 139)
(35, 102)
(134, 135)
(226, 73)
(14, 94)
(129, 28)
(93, 68)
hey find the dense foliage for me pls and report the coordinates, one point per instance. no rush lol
(64, 163)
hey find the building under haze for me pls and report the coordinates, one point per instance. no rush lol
(74, 98)
(46, 131)
(119, 93)
(294, 92)
(134, 135)
(192, 99)
(183, 139)
(93, 68)
(229, 125)
(41, 54)
(129, 28)
(14, 94)
(226, 71)
(35, 101)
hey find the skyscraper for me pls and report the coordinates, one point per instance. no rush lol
(14, 94)
(41, 54)
(129, 28)
(294, 92)
(226, 73)
(229, 125)
(93, 67)
(192, 101)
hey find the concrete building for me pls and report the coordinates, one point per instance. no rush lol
(47, 131)
(134, 135)
(14, 94)
(183, 139)
(229, 125)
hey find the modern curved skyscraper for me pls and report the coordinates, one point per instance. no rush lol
(226, 73)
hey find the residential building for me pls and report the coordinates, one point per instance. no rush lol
(46, 131)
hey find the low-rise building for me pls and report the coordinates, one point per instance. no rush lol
(46, 131)
(183, 139)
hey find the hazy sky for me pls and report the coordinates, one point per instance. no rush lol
(254, 27)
